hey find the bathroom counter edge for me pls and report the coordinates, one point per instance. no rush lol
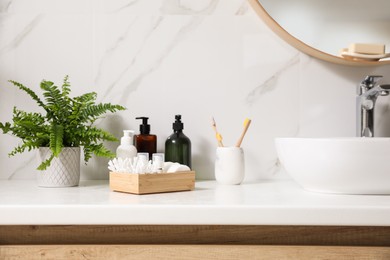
(276, 202)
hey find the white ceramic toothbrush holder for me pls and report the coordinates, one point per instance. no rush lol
(229, 165)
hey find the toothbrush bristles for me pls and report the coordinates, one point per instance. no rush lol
(217, 135)
(247, 123)
(213, 122)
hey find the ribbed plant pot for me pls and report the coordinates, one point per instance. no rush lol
(64, 171)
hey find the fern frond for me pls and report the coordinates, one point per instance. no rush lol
(30, 92)
(65, 91)
(27, 145)
(107, 136)
(56, 139)
(25, 125)
(87, 153)
(65, 87)
(95, 135)
(6, 127)
(18, 149)
(58, 104)
(42, 139)
(102, 151)
(86, 98)
(43, 166)
(51, 93)
(98, 150)
(78, 104)
(92, 112)
(45, 84)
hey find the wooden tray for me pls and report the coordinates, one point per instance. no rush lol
(152, 183)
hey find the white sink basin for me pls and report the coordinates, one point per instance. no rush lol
(354, 165)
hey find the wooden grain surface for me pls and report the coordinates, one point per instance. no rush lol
(191, 252)
(152, 183)
(183, 234)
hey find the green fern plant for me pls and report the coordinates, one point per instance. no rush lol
(66, 122)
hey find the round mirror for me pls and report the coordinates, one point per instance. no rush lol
(323, 28)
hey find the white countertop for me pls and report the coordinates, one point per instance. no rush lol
(277, 202)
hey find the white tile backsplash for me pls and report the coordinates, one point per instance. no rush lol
(161, 58)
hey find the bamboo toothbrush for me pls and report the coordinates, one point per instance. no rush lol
(247, 122)
(217, 135)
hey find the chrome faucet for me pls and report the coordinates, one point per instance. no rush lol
(367, 93)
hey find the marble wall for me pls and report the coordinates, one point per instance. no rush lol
(159, 58)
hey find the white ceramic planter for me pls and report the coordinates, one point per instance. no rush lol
(63, 171)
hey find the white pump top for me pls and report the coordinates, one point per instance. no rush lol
(126, 149)
(127, 138)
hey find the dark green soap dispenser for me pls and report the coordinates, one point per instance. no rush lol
(145, 142)
(177, 145)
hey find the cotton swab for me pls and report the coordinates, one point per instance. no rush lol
(247, 123)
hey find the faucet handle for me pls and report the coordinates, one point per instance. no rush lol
(368, 83)
(371, 80)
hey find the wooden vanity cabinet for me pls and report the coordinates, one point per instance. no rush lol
(193, 242)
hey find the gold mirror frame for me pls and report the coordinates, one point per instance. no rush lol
(298, 44)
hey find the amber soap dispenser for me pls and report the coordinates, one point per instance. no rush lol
(145, 142)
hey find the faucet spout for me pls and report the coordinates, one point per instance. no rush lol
(368, 92)
(378, 90)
